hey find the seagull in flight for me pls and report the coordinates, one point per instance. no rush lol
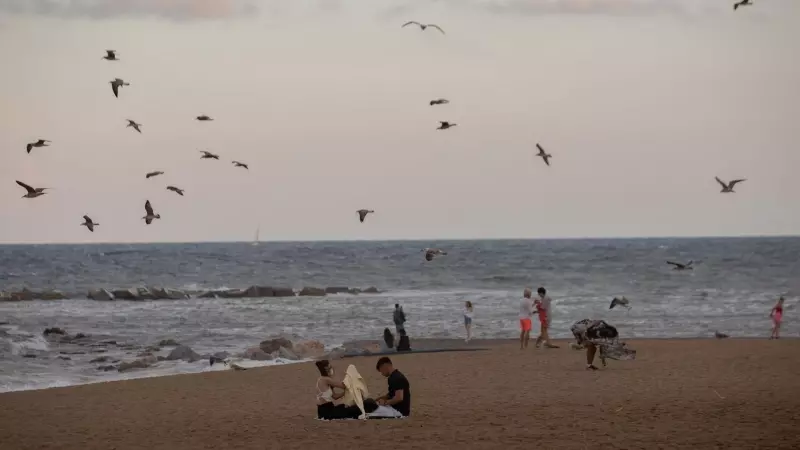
(37, 144)
(148, 219)
(430, 253)
(362, 214)
(440, 101)
(728, 188)
(154, 174)
(133, 124)
(111, 55)
(446, 125)
(679, 266)
(619, 301)
(240, 164)
(423, 26)
(116, 84)
(208, 155)
(87, 222)
(544, 155)
(742, 3)
(32, 192)
(204, 118)
(176, 190)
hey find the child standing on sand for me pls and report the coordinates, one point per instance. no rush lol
(777, 316)
(468, 320)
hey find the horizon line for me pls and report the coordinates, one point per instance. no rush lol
(285, 241)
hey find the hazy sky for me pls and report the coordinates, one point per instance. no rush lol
(640, 102)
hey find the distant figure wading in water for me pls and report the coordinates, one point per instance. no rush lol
(399, 318)
(468, 320)
(777, 316)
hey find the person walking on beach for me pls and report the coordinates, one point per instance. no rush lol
(777, 316)
(399, 395)
(468, 320)
(543, 309)
(525, 313)
(399, 318)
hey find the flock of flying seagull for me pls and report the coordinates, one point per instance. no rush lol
(430, 253)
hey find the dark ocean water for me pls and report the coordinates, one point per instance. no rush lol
(732, 288)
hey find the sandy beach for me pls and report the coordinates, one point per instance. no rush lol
(696, 394)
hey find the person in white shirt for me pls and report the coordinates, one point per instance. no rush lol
(525, 313)
(468, 320)
(543, 308)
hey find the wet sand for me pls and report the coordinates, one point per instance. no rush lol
(704, 394)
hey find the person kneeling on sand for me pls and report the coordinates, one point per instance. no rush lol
(399, 396)
(326, 409)
(594, 334)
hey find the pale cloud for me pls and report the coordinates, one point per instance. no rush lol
(564, 7)
(172, 9)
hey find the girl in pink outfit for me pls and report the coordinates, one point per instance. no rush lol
(777, 317)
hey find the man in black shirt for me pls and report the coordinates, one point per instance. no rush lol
(399, 396)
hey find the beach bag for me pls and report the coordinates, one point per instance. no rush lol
(404, 345)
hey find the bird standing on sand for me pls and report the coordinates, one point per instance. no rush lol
(362, 214)
(240, 164)
(728, 188)
(176, 190)
(148, 219)
(719, 335)
(204, 118)
(742, 3)
(213, 359)
(679, 266)
(430, 253)
(208, 155)
(542, 154)
(37, 144)
(154, 174)
(116, 84)
(32, 192)
(133, 124)
(423, 26)
(87, 222)
(440, 101)
(619, 301)
(111, 55)
(446, 125)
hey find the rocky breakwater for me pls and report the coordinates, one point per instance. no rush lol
(276, 348)
(160, 293)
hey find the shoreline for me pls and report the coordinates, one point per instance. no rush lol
(457, 345)
(704, 393)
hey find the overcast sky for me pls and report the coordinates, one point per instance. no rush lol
(641, 103)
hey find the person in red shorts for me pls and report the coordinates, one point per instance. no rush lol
(543, 309)
(525, 313)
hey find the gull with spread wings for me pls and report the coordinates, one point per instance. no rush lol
(32, 192)
(727, 188)
(148, 219)
(423, 26)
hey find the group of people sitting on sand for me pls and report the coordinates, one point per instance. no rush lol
(352, 395)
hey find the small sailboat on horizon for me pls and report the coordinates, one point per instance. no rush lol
(256, 241)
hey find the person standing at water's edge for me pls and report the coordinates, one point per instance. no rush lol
(543, 309)
(525, 313)
(468, 320)
(777, 317)
(399, 395)
(399, 318)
